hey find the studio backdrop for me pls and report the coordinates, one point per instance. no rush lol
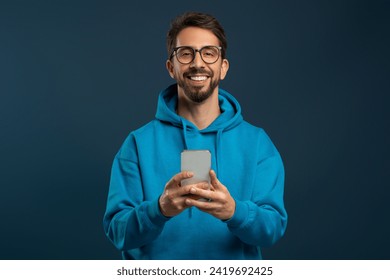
(76, 77)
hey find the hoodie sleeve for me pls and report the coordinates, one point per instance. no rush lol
(262, 220)
(129, 221)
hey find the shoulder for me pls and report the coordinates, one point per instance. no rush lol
(145, 129)
(129, 146)
(251, 130)
(261, 138)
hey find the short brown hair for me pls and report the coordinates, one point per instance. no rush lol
(195, 19)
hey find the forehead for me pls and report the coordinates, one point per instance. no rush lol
(196, 37)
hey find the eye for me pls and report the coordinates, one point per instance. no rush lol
(209, 52)
(184, 52)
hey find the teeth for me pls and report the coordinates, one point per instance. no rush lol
(198, 78)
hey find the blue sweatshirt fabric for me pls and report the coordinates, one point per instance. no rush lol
(245, 161)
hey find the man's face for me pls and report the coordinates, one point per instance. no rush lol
(197, 80)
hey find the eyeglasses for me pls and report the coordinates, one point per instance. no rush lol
(186, 54)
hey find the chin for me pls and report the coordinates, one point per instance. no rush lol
(198, 97)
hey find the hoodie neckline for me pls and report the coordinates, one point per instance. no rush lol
(229, 118)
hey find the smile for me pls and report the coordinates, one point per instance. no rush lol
(198, 78)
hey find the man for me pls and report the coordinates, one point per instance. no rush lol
(149, 214)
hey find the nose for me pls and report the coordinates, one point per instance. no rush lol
(198, 61)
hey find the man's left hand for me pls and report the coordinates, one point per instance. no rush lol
(221, 204)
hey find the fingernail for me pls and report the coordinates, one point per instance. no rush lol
(193, 190)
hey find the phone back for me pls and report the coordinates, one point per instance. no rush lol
(198, 162)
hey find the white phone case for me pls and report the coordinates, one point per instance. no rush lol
(198, 162)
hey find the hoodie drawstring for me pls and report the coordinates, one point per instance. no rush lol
(184, 134)
(186, 148)
(218, 149)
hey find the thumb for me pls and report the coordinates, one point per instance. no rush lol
(214, 180)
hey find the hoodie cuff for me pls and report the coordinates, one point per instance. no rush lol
(154, 214)
(240, 215)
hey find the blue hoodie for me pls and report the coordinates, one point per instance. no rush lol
(245, 161)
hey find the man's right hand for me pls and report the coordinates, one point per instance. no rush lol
(172, 200)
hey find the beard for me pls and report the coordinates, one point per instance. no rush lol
(198, 94)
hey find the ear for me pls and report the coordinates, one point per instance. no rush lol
(169, 66)
(224, 68)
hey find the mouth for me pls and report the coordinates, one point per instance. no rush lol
(198, 78)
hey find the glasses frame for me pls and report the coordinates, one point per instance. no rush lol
(174, 52)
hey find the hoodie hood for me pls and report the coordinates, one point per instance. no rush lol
(229, 118)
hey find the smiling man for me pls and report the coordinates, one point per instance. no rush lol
(149, 214)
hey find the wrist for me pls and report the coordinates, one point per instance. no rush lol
(240, 214)
(230, 213)
(161, 208)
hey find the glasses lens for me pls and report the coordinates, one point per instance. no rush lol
(210, 54)
(185, 55)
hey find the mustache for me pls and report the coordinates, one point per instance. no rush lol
(195, 71)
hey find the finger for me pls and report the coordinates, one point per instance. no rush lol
(183, 190)
(207, 194)
(203, 205)
(176, 195)
(202, 185)
(176, 180)
(214, 180)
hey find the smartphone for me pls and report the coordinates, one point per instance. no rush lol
(198, 162)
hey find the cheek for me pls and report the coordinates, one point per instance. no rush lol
(178, 72)
(173, 73)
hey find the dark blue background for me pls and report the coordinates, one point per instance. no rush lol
(77, 76)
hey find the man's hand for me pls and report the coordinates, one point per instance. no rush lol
(172, 200)
(221, 204)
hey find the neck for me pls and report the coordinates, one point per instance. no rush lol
(200, 114)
